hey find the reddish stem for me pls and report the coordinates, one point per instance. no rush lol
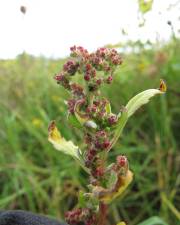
(102, 214)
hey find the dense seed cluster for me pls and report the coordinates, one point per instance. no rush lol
(80, 216)
(96, 69)
(96, 143)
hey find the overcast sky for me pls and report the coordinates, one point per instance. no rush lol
(50, 27)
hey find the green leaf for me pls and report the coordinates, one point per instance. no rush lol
(135, 103)
(119, 128)
(73, 121)
(82, 200)
(155, 220)
(112, 179)
(141, 99)
(145, 5)
(108, 108)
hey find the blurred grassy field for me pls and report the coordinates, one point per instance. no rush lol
(33, 176)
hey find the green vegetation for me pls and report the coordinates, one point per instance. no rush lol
(36, 177)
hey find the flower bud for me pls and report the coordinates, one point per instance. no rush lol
(88, 67)
(106, 144)
(99, 172)
(112, 119)
(87, 77)
(99, 81)
(121, 161)
(59, 77)
(71, 105)
(77, 90)
(109, 79)
(62, 79)
(70, 67)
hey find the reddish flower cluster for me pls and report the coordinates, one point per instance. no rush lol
(101, 140)
(121, 165)
(62, 79)
(79, 52)
(103, 59)
(89, 72)
(89, 65)
(121, 161)
(112, 119)
(98, 172)
(98, 110)
(77, 90)
(70, 67)
(77, 216)
(71, 105)
(95, 144)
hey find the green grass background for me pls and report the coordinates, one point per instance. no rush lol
(35, 177)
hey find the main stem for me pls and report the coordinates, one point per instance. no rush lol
(102, 214)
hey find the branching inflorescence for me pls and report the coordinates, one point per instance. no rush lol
(89, 111)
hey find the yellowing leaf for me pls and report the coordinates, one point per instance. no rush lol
(142, 98)
(60, 143)
(107, 195)
(65, 146)
(162, 86)
(121, 223)
(81, 117)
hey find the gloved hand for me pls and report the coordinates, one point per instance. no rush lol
(19, 217)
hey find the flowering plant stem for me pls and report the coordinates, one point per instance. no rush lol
(103, 208)
(90, 112)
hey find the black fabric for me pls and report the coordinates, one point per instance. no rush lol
(18, 217)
